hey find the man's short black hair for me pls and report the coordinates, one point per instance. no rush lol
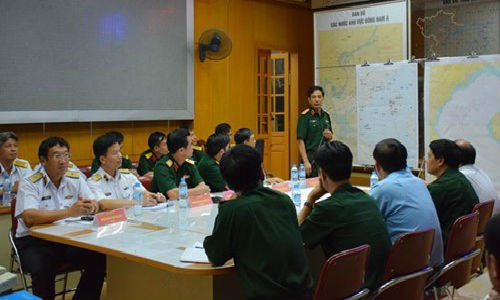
(335, 159)
(242, 135)
(391, 155)
(467, 152)
(102, 144)
(223, 128)
(155, 139)
(447, 150)
(118, 136)
(4, 136)
(188, 128)
(215, 142)
(177, 139)
(240, 166)
(50, 142)
(492, 236)
(314, 88)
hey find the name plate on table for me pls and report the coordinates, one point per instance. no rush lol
(109, 217)
(282, 187)
(312, 182)
(200, 200)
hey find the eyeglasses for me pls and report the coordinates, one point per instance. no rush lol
(61, 156)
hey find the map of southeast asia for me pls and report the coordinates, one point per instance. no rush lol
(462, 100)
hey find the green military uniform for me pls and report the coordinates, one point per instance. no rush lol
(260, 231)
(210, 172)
(453, 196)
(198, 154)
(168, 174)
(147, 162)
(348, 219)
(310, 129)
(126, 164)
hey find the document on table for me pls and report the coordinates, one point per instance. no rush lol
(157, 206)
(195, 254)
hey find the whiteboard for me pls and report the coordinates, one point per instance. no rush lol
(76, 61)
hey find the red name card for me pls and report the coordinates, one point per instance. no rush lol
(282, 187)
(109, 217)
(200, 200)
(312, 182)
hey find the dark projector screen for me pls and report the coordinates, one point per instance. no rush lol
(95, 60)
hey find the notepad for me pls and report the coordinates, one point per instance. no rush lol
(197, 255)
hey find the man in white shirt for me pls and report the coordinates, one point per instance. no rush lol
(479, 180)
(47, 196)
(10, 165)
(113, 187)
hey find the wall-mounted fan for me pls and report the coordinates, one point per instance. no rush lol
(214, 44)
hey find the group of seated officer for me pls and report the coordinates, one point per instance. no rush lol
(260, 230)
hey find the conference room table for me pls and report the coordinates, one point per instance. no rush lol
(144, 253)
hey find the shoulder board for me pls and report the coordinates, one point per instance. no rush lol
(35, 177)
(21, 163)
(71, 165)
(71, 174)
(197, 148)
(125, 156)
(124, 171)
(148, 155)
(169, 163)
(189, 161)
(305, 111)
(96, 177)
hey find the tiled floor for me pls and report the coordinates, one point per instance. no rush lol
(477, 289)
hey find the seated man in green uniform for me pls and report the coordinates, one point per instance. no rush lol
(198, 152)
(208, 167)
(176, 164)
(157, 143)
(126, 163)
(259, 230)
(313, 128)
(451, 192)
(348, 218)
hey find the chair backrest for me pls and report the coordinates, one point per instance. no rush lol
(343, 274)
(460, 251)
(462, 237)
(146, 181)
(407, 268)
(484, 209)
(410, 253)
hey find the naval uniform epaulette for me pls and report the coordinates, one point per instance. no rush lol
(72, 174)
(22, 164)
(198, 148)
(124, 171)
(96, 177)
(35, 177)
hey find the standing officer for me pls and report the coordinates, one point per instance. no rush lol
(314, 128)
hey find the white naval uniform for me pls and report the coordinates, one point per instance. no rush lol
(20, 169)
(105, 186)
(38, 192)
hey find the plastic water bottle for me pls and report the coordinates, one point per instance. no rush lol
(302, 176)
(296, 192)
(172, 214)
(183, 194)
(137, 198)
(7, 187)
(294, 173)
(373, 179)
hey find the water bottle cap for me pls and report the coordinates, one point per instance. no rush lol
(294, 166)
